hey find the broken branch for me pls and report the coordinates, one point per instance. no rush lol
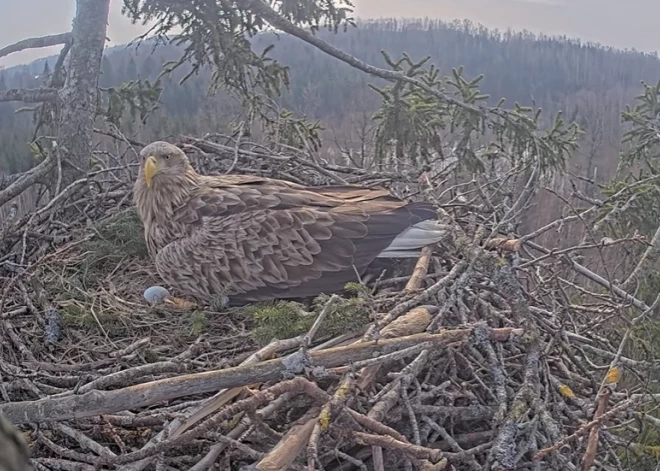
(36, 43)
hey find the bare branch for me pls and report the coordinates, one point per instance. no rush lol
(597, 279)
(100, 402)
(114, 135)
(646, 264)
(29, 95)
(421, 269)
(36, 43)
(13, 185)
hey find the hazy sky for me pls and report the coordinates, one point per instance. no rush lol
(619, 23)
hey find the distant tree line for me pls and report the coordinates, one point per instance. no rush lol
(588, 82)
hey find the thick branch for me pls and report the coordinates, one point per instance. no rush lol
(142, 395)
(29, 95)
(13, 185)
(287, 449)
(394, 444)
(592, 442)
(35, 43)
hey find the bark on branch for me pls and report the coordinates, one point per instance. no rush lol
(13, 185)
(146, 394)
(29, 95)
(35, 43)
(8, 180)
(592, 442)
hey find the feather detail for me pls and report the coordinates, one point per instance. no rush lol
(412, 240)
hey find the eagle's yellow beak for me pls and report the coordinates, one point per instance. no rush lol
(150, 169)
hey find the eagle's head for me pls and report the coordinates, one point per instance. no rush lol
(162, 162)
(164, 183)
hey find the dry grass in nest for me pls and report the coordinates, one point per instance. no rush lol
(98, 288)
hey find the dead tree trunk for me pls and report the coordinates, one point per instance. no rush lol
(74, 96)
(79, 95)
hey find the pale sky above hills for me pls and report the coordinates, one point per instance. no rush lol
(619, 23)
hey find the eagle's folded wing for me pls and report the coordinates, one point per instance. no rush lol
(220, 181)
(258, 241)
(354, 194)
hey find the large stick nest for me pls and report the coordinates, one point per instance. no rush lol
(493, 353)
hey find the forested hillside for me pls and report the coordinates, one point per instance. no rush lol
(587, 81)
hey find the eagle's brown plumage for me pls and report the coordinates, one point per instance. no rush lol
(252, 238)
(14, 454)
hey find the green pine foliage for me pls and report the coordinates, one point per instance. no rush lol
(287, 319)
(117, 237)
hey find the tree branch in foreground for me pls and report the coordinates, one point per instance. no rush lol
(146, 394)
(35, 43)
(13, 185)
(29, 95)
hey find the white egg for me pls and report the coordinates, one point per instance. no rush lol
(155, 294)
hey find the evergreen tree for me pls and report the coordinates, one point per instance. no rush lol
(107, 78)
(45, 73)
(131, 70)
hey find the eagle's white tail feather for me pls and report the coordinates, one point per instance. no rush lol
(400, 254)
(412, 240)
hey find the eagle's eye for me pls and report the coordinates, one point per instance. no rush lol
(167, 156)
